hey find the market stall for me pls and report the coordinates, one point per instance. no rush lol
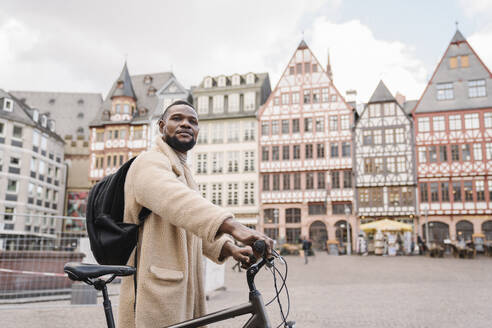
(390, 237)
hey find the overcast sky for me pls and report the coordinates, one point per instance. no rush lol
(80, 46)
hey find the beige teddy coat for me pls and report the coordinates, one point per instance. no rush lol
(183, 226)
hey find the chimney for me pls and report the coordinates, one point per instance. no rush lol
(400, 98)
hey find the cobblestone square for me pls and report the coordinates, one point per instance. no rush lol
(332, 292)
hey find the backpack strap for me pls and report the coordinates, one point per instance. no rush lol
(142, 215)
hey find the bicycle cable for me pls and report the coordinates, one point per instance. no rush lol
(274, 271)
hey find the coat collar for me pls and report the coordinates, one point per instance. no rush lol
(163, 147)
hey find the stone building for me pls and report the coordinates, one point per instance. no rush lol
(305, 143)
(72, 112)
(225, 159)
(453, 132)
(32, 176)
(384, 166)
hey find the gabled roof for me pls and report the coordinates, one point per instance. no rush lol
(302, 45)
(381, 94)
(126, 87)
(458, 76)
(70, 110)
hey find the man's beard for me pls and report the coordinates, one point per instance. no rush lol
(178, 145)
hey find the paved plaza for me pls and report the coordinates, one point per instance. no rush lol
(332, 292)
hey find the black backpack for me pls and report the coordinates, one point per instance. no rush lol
(112, 241)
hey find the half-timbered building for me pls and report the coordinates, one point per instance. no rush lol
(453, 134)
(384, 160)
(305, 155)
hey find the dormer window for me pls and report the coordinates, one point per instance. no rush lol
(8, 105)
(250, 78)
(147, 79)
(44, 121)
(52, 101)
(236, 80)
(51, 125)
(119, 85)
(80, 102)
(80, 115)
(151, 91)
(35, 115)
(222, 81)
(208, 82)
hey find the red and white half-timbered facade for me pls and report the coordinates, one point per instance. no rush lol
(453, 133)
(305, 150)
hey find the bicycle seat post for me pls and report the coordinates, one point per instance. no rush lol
(108, 311)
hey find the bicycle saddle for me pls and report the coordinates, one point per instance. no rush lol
(83, 271)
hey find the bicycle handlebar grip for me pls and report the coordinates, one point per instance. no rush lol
(259, 247)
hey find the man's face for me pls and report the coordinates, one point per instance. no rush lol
(180, 127)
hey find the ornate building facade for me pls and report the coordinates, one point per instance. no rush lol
(453, 133)
(225, 159)
(385, 175)
(305, 150)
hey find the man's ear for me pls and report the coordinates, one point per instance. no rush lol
(161, 126)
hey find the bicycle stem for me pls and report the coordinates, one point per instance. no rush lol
(252, 271)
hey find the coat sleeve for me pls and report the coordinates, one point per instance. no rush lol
(213, 250)
(157, 187)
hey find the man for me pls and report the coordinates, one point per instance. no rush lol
(306, 246)
(183, 226)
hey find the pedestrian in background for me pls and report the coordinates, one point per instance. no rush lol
(306, 247)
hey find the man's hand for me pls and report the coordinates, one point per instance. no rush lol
(244, 234)
(240, 254)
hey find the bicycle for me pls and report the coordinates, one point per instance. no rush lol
(91, 273)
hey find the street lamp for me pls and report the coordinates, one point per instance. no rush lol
(426, 210)
(349, 242)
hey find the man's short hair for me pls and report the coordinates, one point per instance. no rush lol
(176, 102)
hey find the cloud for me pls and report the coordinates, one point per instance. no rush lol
(359, 60)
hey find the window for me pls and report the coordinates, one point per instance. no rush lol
(316, 96)
(270, 215)
(249, 101)
(203, 134)
(445, 91)
(423, 123)
(455, 122)
(488, 151)
(389, 136)
(324, 94)
(445, 191)
(465, 152)
(333, 122)
(12, 186)
(17, 132)
(250, 78)
(399, 135)
(8, 216)
(232, 193)
(285, 99)
(340, 208)
(249, 193)
(367, 138)
(275, 129)
(471, 121)
(391, 165)
(389, 109)
(218, 104)
(208, 82)
(476, 88)
(233, 105)
(334, 150)
(394, 196)
(320, 150)
(203, 105)
(320, 124)
(467, 188)
(308, 150)
(443, 153)
(285, 126)
(265, 152)
(364, 196)
(455, 153)
(295, 125)
(297, 181)
(266, 182)
(316, 209)
(249, 131)
(378, 165)
(217, 133)
(271, 233)
(434, 192)
(374, 110)
(346, 149)
(293, 215)
(15, 161)
(307, 96)
(233, 162)
(286, 181)
(347, 179)
(285, 152)
(217, 193)
(233, 132)
(477, 152)
(221, 81)
(438, 123)
(432, 154)
(292, 70)
(344, 122)
(276, 182)
(8, 105)
(424, 196)
(276, 101)
(335, 179)
(378, 137)
(265, 127)
(217, 162)
(308, 125)
(479, 186)
(307, 67)
(295, 97)
(296, 152)
(202, 187)
(457, 191)
(321, 180)
(487, 120)
(275, 153)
